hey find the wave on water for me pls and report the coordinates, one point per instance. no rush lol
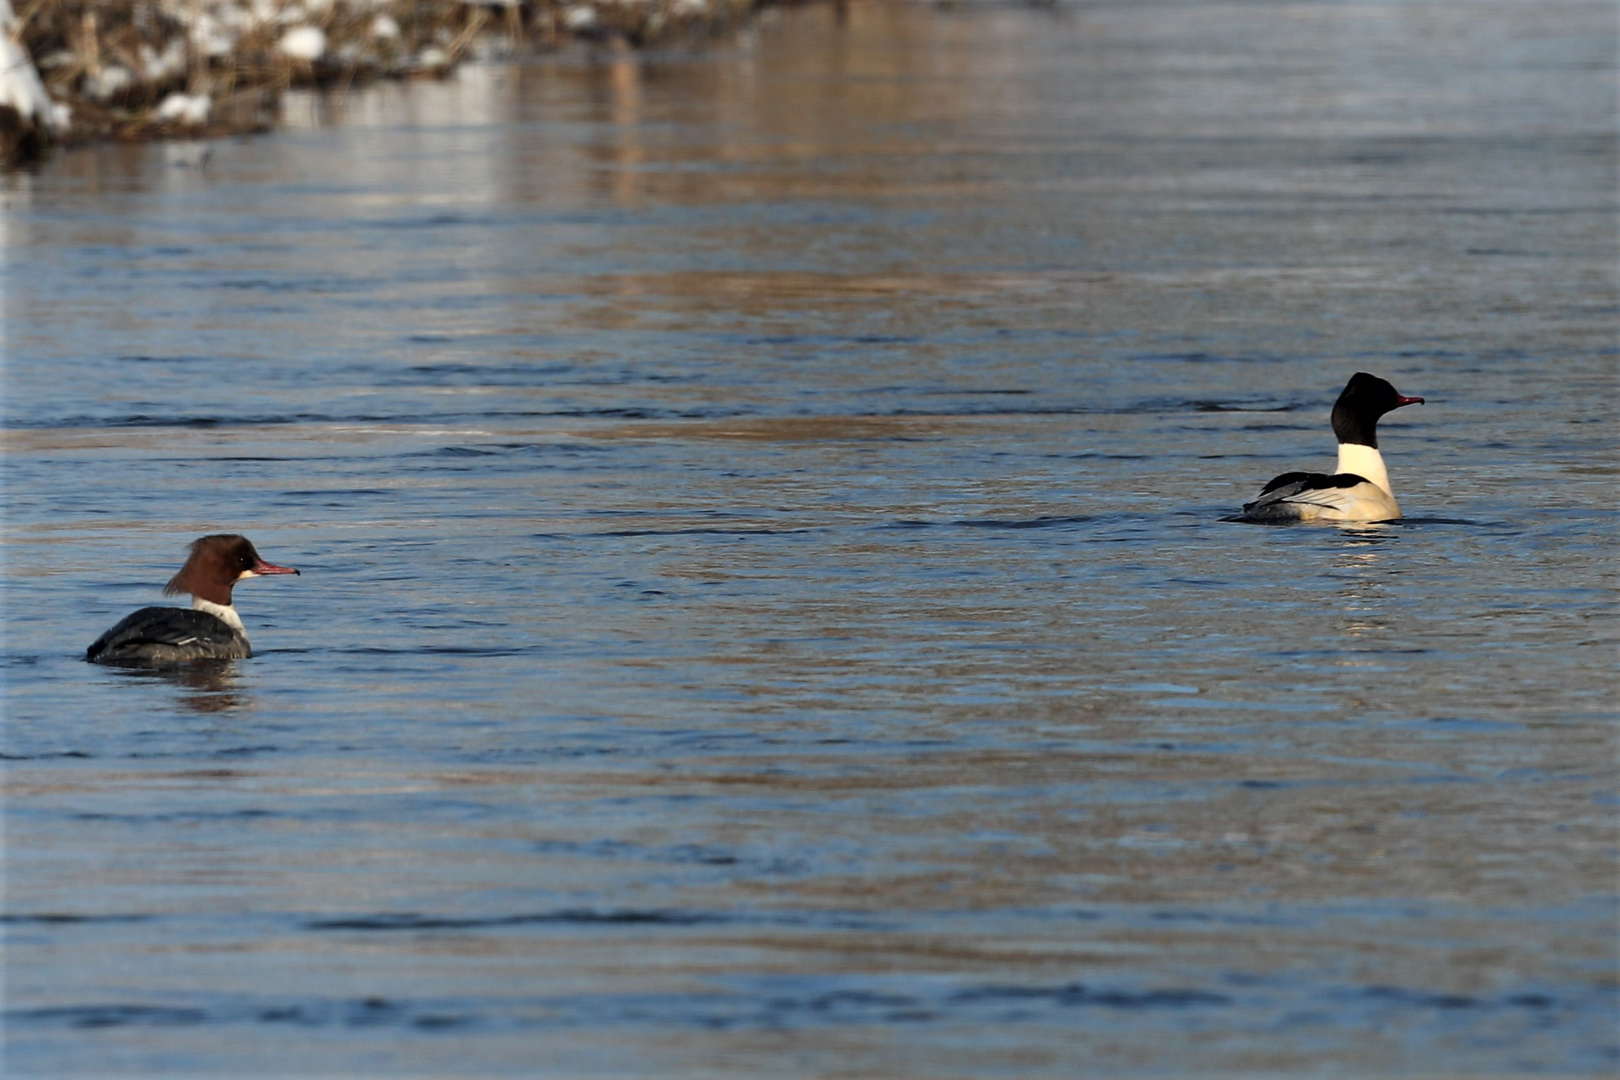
(409, 921)
(410, 414)
(1045, 521)
(786, 1003)
(54, 918)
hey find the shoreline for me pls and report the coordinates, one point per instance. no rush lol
(80, 71)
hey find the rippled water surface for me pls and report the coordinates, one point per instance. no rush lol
(765, 605)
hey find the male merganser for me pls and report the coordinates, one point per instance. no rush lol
(1359, 490)
(210, 629)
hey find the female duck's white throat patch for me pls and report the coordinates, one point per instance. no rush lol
(223, 612)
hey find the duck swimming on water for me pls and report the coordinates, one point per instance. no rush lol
(1358, 490)
(208, 630)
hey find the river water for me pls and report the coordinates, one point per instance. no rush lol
(766, 609)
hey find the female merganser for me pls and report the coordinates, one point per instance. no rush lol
(1359, 490)
(209, 630)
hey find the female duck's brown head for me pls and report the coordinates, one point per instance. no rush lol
(216, 564)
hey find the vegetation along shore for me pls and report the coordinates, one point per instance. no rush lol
(77, 70)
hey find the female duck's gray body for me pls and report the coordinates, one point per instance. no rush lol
(209, 630)
(169, 635)
(1358, 489)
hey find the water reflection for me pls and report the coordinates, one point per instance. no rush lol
(206, 686)
(1364, 597)
(1367, 532)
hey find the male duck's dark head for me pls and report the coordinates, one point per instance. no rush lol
(1365, 399)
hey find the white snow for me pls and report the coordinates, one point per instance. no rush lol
(184, 109)
(161, 66)
(108, 81)
(20, 87)
(307, 43)
(211, 37)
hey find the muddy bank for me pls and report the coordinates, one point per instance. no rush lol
(76, 70)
